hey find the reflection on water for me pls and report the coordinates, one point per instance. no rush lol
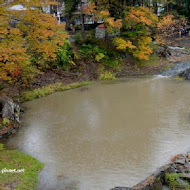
(111, 135)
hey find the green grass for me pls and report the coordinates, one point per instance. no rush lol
(13, 159)
(49, 89)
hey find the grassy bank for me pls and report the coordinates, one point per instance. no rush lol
(49, 89)
(25, 169)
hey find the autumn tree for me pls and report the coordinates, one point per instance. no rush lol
(13, 57)
(169, 27)
(28, 37)
(112, 25)
(42, 35)
(137, 23)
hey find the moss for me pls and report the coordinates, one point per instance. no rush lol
(49, 89)
(178, 78)
(6, 121)
(29, 167)
(171, 181)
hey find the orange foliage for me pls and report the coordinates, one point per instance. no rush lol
(143, 50)
(166, 22)
(141, 15)
(89, 8)
(112, 24)
(169, 22)
(43, 34)
(33, 36)
(169, 26)
(136, 23)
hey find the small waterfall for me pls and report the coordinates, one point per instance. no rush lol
(175, 70)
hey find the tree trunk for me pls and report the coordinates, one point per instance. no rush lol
(179, 5)
(67, 22)
(167, 6)
(82, 17)
(155, 5)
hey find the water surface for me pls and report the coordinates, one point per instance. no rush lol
(113, 134)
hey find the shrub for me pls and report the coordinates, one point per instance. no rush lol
(6, 121)
(99, 56)
(65, 56)
(88, 37)
(78, 37)
(107, 75)
(112, 62)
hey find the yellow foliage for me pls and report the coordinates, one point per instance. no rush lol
(36, 35)
(103, 14)
(122, 44)
(143, 50)
(140, 19)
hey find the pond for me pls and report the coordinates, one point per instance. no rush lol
(113, 134)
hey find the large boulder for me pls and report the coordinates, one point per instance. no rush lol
(175, 54)
(9, 109)
(175, 51)
(9, 116)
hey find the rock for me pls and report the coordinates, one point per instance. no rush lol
(185, 74)
(181, 159)
(165, 187)
(159, 50)
(9, 109)
(188, 156)
(186, 177)
(174, 53)
(182, 183)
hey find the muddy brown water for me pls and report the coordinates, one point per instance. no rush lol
(113, 134)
